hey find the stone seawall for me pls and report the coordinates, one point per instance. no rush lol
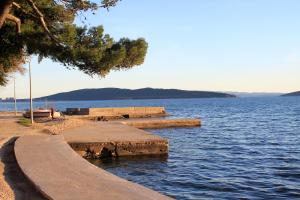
(121, 111)
(117, 149)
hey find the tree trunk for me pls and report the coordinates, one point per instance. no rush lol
(5, 6)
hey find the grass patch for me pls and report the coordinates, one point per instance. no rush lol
(25, 122)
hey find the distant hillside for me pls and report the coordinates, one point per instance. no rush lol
(292, 94)
(255, 94)
(145, 93)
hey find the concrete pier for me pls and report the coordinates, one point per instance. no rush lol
(114, 139)
(123, 137)
(61, 174)
(161, 123)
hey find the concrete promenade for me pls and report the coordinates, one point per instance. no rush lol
(61, 174)
(52, 166)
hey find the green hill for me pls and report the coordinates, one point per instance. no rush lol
(117, 93)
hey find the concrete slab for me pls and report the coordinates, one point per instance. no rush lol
(161, 123)
(107, 132)
(114, 139)
(61, 174)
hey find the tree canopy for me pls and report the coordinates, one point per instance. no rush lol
(46, 28)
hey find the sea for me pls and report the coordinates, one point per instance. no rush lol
(246, 148)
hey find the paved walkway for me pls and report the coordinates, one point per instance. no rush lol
(61, 174)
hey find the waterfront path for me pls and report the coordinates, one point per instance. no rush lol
(39, 166)
(61, 174)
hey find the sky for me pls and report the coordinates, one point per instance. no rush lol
(211, 45)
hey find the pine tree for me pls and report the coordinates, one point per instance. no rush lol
(46, 28)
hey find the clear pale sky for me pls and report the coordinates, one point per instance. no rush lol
(214, 45)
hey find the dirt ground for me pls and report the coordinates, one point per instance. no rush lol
(13, 183)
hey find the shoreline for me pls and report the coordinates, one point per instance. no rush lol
(10, 191)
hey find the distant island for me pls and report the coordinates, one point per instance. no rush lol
(255, 94)
(292, 94)
(118, 94)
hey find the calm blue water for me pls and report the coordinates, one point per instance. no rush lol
(247, 148)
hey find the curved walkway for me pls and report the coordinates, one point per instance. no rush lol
(60, 173)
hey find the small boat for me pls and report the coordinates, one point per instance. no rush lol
(39, 113)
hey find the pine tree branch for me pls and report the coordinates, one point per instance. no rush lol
(5, 6)
(16, 4)
(42, 20)
(16, 20)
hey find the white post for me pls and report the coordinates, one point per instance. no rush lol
(31, 107)
(15, 99)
